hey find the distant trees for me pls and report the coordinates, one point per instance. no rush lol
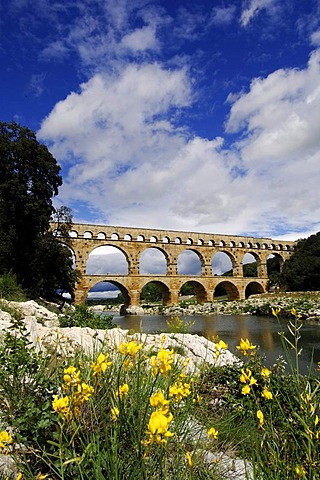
(29, 178)
(301, 272)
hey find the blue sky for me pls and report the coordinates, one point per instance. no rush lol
(186, 115)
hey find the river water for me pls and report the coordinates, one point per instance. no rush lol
(260, 330)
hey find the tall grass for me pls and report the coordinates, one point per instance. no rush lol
(134, 412)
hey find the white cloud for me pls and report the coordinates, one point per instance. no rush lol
(315, 38)
(253, 8)
(223, 15)
(141, 39)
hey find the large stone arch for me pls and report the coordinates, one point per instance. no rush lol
(165, 290)
(197, 255)
(229, 255)
(116, 247)
(199, 290)
(124, 291)
(153, 248)
(230, 288)
(253, 288)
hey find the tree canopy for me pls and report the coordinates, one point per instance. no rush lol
(301, 272)
(29, 178)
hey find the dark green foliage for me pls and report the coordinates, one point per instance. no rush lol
(187, 289)
(29, 178)
(301, 272)
(83, 316)
(151, 293)
(9, 288)
(24, 385)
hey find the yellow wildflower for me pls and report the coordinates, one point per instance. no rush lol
(246, 390)
(265, 373)
(61, 404)
(276, 311)
(5, 440)
(101, 364)
(158, 428)
(19, 476)
(189, 459)
(83, 393)
(162, 362)
(114, 413)
(260, 417)
(71, 376)
(123, 390)
(179, 390)
(267, 394)
(158, 401)
(213, 433)
(245, 347)
(300, 471)
(130, 348)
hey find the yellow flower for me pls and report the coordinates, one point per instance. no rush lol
(114, 413)
(213, 433)
(123, 390)
(300, 471)
(5, 440)
(246, 390)
(267, 394)
(179, 390)
(260, 417)
(276, 311)
(158, 401)
(19, 476)
(71, 376)
(83, 393)
(130, 348)
(265, 373)
(189, 459)
(101, 364)
(245, 347)
(61, 404)
(158, 427)
(162, 362)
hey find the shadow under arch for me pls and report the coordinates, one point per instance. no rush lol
(163, 288)
(115, 261)
(253, 288)
(199, 290)
(119, 286)
(230, 289)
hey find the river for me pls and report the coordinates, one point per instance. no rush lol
(260, 330)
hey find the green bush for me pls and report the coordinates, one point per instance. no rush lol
(83, 316)
(9, 288)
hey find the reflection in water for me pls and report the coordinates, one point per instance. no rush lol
(261, 331)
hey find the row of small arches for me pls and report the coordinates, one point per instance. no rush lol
(179, 241)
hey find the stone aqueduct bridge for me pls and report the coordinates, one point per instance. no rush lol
(134, 241)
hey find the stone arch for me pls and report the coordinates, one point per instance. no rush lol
(119, 286)
(156, 258)
(140, 238)
(73, 234)
(101, 236)
(251, 258)
(87, 234)
(211, 243)
(190, 262)
(114, 236)
(200, 242)
(165, 291)
(178, 240)
(166, 239)
(230, 288)
(253, 288)
(109, 259)
(127, 237)
(222, 262)
(153, 239)
(199, 290)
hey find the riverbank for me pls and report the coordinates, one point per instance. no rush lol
(307, 304)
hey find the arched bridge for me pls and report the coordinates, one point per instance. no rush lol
(132, 242)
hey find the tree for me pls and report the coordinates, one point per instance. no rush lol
(29, 178)
(301, 272)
